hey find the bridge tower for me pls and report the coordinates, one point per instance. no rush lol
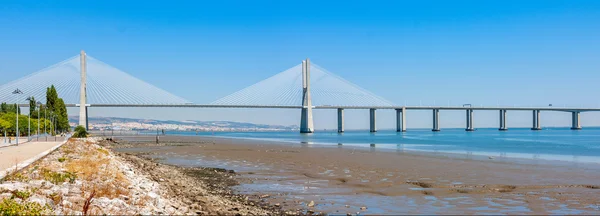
(306, 118)
(83, 115)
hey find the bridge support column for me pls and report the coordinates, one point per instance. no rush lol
(536, 120)
(306, 118)
(400, 120)
(436, 120)
(373, 126)
(470, 120)
(83, 114)
(502, 121)
(575, 121)
(340, 113)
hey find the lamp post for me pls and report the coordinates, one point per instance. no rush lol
(17, 92)
(29, 120)
(38, 117)
(29, 126)
(45, 125)
(54, 125)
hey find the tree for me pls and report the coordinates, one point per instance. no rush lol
(62, 116)
(4, 108)
(51, 98)
(9, 108)
(32, 105)
(5, 125)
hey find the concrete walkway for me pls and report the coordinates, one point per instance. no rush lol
(25, 154)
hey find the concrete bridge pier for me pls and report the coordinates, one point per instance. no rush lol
(502, 121)
(372, 124)
(575, 121)
(83, 111)
(436, 120)
(306, 118)
(400, 120)
(470, 120)
(536, 120)
(340, 113)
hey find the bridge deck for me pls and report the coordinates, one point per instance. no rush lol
(563, 109)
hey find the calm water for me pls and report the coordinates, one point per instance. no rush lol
(560, 144)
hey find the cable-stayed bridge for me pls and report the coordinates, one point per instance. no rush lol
(84, 82)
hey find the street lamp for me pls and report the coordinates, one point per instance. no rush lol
(45, 125)
(17, 92)
(29, 120)
(38, 118)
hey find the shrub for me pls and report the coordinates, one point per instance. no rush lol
(62, 159)
(17, 177)
(80, 132)
(12, 207)
(21, 194)
(57, 178)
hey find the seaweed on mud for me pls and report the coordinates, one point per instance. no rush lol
(507, 188)
(342, 180)
(213, 176)
(425, 192)
(461, 190)
(421, 184)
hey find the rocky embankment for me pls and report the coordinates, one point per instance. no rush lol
(85, 177)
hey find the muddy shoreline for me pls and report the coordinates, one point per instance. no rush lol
(206, 189)
(342, 180)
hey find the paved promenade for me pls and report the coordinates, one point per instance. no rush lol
(26, 153)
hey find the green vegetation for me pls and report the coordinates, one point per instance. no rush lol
(53, 114)
(57, 107)
(57, 177)
(9, 108)
(16, 176)
(21, 194)
(62, 159)
(12, 207)
(80, 132)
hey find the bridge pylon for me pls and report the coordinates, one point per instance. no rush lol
(83, 115)
(306, 118)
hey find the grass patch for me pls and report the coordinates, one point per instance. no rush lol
(67, 151)
(56, 198)
(57, 177)
(103, 151)
(21, 194)
(17, 177)
(12, 207)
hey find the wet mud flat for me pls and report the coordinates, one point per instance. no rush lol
(209, 190)
(349, 179)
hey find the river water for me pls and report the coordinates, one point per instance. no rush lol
(560, 144)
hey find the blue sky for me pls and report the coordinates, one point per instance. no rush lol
(480, 52)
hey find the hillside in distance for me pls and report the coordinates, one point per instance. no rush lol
(117, 123)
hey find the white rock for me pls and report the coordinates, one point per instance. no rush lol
(41, 200)
(153, 195)
(5, 196)
(13, 186)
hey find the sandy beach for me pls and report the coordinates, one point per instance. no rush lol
(349, 179)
